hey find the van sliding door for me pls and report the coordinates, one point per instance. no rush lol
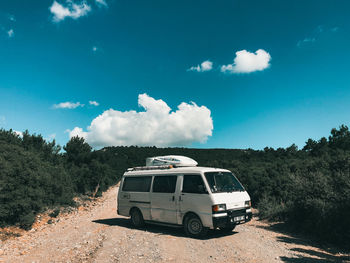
(194, 197)
(164, 201)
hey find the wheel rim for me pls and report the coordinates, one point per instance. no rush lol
(194, 226)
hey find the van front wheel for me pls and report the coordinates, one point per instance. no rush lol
(193, 226)
(137, 218)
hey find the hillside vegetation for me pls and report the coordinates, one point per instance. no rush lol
(309, 189)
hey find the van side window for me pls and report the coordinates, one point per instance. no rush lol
(193, 183)
(164, 184)
(137, 184)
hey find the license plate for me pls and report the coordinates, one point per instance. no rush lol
(238, 218)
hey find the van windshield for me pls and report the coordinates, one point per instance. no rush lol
(223, 182)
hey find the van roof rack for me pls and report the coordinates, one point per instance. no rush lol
(158, 167)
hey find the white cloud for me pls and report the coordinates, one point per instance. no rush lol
(94, 49)
(67, 105)
(335, 29)
(157, 125)
(20, 134)
(95, 103)
(2, 120)
(72, 10)
(12, 18)
(247, 62)
(51, 137)
(10, 33)
(101, 3)
(204, 66)
(306, 40)
(317, 34)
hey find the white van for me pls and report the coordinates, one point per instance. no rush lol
(172, 190)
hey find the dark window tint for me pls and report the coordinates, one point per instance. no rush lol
(193, 183)
(164, 184)
(137, 184)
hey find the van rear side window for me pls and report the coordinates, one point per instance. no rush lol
(164, 184)
(137, 184)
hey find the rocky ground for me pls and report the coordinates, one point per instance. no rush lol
(94, 233)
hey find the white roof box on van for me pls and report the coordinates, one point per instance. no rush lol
(176, 160)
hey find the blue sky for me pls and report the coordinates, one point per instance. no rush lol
(113, 51)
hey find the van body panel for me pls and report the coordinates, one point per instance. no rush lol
(164, 208)
(130, 199)
(233, 200)
(201, 207)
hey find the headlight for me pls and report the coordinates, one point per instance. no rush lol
(219, 208)
(248, 203)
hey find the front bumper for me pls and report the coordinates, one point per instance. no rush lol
(232, 217)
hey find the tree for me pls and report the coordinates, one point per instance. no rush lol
(77, 151)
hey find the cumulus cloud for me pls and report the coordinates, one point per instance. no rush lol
(94, 103)
(67, 105)
(246, 62)
(204, 66)
(11, 33)
(72, 10)
(157, 125)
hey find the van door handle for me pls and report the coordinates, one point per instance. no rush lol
(173, 198)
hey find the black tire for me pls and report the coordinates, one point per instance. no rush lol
(136, 218)
(227, 229)
(193, 226)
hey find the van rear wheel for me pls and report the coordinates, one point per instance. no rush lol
(136, 218)
(193, 227)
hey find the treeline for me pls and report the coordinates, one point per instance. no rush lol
(35, 175)
(307, 188)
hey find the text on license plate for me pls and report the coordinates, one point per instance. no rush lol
(238, 218)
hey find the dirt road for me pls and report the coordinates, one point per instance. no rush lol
(97, 234)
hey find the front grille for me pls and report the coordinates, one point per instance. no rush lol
(233, 213)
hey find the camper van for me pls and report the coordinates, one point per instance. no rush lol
(174, 191)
